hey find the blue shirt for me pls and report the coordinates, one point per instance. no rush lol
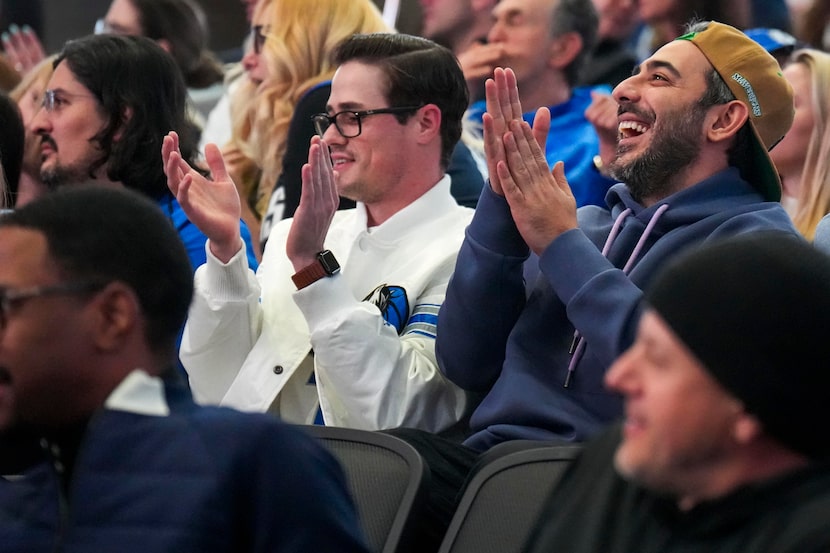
(193, 238)
(512, 345)
(573, 140)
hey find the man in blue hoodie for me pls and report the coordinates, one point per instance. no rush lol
(695, 123)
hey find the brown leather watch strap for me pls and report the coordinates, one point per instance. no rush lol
(309, 275)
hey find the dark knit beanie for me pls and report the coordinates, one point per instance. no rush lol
(755, 310)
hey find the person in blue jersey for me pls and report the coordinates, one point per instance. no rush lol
(304, 337)
(99, 449)
(694, 122)
(546, 43)
(106, 108)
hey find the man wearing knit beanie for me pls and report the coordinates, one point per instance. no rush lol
(724, 445)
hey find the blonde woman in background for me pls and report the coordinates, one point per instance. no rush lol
(289, 72)
(803, 156)
(28, 95)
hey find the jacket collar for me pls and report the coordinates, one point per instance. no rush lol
(141, 394)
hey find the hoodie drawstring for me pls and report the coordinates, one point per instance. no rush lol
(578, 345)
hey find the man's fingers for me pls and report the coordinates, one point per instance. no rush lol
(174, 173)
(493, 151)
(323, 174)
(331, 181)
(541, 127)
(533, 158)
(166, 150)
(558, 173)
(169, 144)
(536, 149)
(505, 107)
(171, 167)
(508, 185)
(215, 162)
(512, 90)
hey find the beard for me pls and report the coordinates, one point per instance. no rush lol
(62, 175)
(675, 144)
(58, 175)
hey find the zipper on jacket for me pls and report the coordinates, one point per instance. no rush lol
(53, 454)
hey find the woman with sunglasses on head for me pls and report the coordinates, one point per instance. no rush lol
(288, 75)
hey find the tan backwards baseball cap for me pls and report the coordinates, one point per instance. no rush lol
(755, 78)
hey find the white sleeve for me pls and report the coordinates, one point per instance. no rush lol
(370, 377)
(223, 324)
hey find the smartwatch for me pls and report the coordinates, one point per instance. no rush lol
(324, 266)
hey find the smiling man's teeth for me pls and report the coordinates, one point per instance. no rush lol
(632, 126)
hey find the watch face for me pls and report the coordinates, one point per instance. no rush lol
(328, 261)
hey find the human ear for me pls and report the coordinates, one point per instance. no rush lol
(125, 118)
(564, 49)
(725, 120)
(429, 122)
(116, 316)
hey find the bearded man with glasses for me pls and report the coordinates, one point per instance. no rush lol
(305, 338)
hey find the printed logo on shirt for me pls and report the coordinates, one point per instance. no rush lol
(393, 304)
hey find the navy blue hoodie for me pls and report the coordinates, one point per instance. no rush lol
(516, 342)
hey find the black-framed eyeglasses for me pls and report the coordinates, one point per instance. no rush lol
(349, 123)
(11, 297)
(258, 37)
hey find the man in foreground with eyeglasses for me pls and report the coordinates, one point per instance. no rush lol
(360, 337)
(99, 450)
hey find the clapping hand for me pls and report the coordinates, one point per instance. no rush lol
(540, 200)
(212, 205)
(318, 202)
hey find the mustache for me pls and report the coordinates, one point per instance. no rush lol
(644, 115)
(46, 139)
